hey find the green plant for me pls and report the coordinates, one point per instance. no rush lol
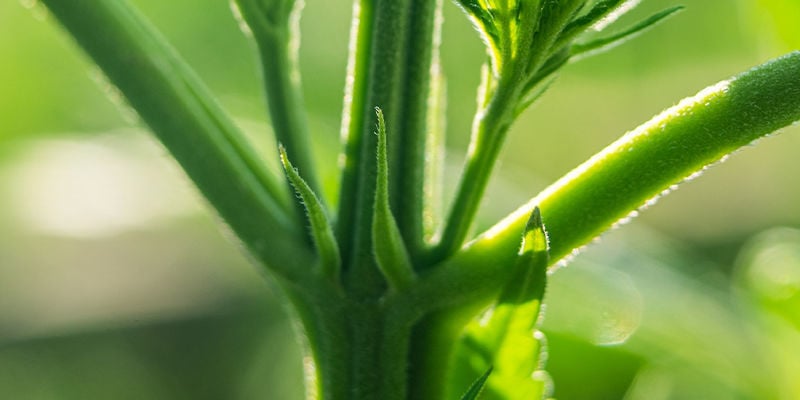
(382, 304)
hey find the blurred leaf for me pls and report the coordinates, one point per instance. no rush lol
(784, 17)
(768, 269)
(583, 370)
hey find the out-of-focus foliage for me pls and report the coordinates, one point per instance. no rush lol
(779, 17)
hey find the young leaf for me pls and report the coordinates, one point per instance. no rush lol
(605, 43)
(507, 338)
(477, 387)
(528, 281)
(321, 230)
(390, 250)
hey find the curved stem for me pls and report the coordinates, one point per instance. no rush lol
(276, 32)
(353, 117)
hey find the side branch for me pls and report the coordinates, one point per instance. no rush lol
(629, 174)
(172, 100)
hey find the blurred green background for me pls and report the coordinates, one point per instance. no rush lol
(116, 282)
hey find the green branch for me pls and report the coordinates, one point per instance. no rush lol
(525, 45)
(626, 176)
(181, 111)
(382, 63)
(408, 147)
(274, 25)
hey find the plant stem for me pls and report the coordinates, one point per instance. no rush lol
(353, 120)
(276, 32)
(628, 175)
(489, 130)
(410, 136)
(191, 125)
(386, 69)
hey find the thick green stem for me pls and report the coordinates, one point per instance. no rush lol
(191, 125)
(383, 89)
(353, 119)
(408, 149)
(360, 350)
(389, 66)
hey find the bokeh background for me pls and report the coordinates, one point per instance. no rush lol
(117, 282)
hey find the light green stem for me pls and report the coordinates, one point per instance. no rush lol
(629, 174)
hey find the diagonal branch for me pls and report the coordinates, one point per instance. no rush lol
(628, 175)
(179, 109)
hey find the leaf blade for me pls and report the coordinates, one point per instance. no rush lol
(477, 387)
(389, 248)
(321, 228)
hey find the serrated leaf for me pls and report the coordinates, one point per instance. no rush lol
(608, 42)
(390, 251)
(477, 387)
(527, 284)
(321, 229)
(506, 338)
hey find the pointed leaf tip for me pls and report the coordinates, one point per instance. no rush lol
(321, 229)
(477, 387)
(388, 246)
(535, 237)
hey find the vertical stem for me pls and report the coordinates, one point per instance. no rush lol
(381, 69)
(489, 131)
(432, 344)
(359, 350)
(408, 150)
(382, 90)
(286, 106)
(275, 28)
(352, 122)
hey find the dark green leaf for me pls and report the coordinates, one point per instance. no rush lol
(477, 387)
